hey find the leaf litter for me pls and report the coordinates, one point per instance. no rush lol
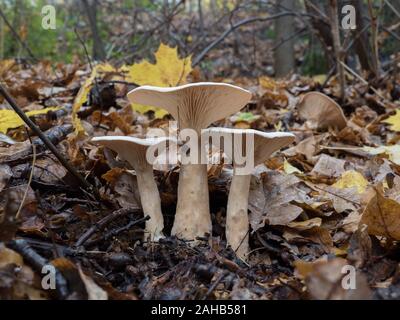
(328, 201)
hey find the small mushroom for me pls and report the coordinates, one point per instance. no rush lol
(263, 144)
(321, 111)
(134, 151)
(194, 106)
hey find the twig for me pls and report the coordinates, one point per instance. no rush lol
(214, 285)
(101, 224)
(47, 142)
(114, 232)
(29, 180)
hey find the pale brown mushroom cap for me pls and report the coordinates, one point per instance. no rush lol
(265, 143)
(321, 111)
(195, 105)
(131, 149)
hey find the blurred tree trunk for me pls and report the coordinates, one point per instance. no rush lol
(284, 59)
(98, 47)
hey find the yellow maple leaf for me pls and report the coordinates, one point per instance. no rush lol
(382, 216)
(9, 119)
(168, 71)
(351, 179)
(394, 121)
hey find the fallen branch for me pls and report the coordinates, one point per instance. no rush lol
(101, 224)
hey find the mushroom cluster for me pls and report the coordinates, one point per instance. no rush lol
(196, 106)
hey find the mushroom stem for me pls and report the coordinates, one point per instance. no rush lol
(151, 203)
(237, 221)
(192, 217)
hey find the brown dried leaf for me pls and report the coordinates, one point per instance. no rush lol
(382, 216)
(270, 199)
(324, 280)
(329, 166)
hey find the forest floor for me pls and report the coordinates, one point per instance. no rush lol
(328, 201)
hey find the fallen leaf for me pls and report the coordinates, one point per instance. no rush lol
(392, 151)
(9, 119)
(394, 121)
(8, 256)
(305, 225)
(168, 71)
(270, 199)
(350, 179)
(329, 166)
(382, 216)
(324, 278)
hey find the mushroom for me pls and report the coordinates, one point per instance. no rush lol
(134, 150)
(321, 111)
(260, 145)
(194, 106)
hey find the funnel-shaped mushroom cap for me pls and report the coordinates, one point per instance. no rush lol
(195, 105)
(321, 111)
(265, 143)
(131, 149)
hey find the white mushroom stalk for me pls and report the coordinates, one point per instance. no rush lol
(194, 106)
(258, 150)
(134, 151)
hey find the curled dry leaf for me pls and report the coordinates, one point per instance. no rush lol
(382, 216)
(321, 111)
